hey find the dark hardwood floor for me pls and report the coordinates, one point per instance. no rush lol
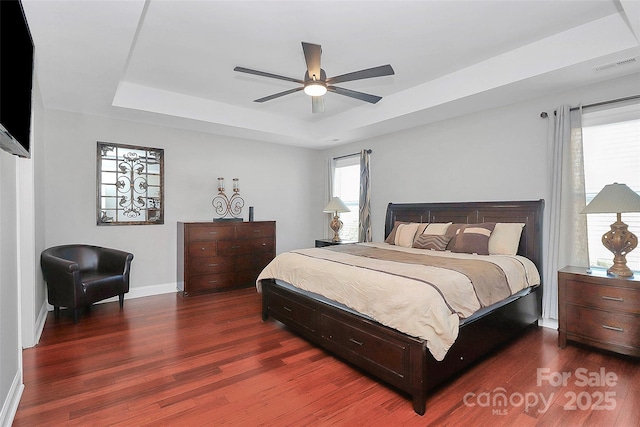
(211, 360)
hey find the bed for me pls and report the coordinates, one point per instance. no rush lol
(405, 360)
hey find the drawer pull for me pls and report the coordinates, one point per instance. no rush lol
(264, 244)
(613, 328)
(286, 308)
(202, 249)
(355, 341)
(236, 247)
(612, 298)
(257, 231)
(213, 281)
(213, 265)
(213, 232)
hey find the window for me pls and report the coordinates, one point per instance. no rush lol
(130, 185)
(346, 185)
(611, 144)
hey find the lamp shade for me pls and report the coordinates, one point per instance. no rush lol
(614, 198)
(336, 205)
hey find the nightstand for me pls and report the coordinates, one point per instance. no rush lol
(328, 242)
(599, 310)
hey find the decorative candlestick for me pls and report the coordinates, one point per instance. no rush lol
(228, 206)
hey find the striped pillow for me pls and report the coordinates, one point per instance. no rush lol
(474, 238)
(435, 242)
(391, 238)
(405, 234)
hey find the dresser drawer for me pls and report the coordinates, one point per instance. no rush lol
(384, 352)
(303, 317)
(247, 277)
(255, 229)
(210, 265)
(613, 298)
(202, 249)
(207, 232)
(609, 327)
(253, 262)
(211, 282)
(246, 246)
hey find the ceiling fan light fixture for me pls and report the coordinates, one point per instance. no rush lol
(315, 88)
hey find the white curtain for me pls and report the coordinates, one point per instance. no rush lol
(566, 227)
(364, 223)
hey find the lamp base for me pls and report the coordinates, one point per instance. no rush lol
(336, 226)
(620, 241)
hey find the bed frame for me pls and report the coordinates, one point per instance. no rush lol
(399, 359)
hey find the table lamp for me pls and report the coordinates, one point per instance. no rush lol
(617, 198)
(335, 206)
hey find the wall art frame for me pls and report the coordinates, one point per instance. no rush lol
(130, 184)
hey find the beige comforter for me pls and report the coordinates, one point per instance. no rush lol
(419, 297)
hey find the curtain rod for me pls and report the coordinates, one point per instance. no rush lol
(349, 155)
(544, 114)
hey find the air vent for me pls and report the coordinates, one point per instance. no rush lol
(616, 64)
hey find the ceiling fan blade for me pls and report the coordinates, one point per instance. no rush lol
(317, 104)
(383, 70)
(312, 54)
(353, 94)
(264, 74)
(278, 95)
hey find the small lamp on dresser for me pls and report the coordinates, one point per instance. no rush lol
(617, 198)
(336, 206)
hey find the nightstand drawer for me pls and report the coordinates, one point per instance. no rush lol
(613, 298)
(609, 327)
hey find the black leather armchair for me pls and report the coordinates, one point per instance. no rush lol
(80, 275)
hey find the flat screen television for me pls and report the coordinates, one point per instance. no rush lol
(16, 78)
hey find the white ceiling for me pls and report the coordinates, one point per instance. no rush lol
(171, 62)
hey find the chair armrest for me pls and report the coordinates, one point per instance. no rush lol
(62, 277)
(53, 265)
(114, 260)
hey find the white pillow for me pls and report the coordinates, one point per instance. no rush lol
(405, 234)
(505, 238)
(439, 229)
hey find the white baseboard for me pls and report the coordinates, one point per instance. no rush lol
(143, 291)
(10, 405)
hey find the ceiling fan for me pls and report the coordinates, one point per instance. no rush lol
(316, 83)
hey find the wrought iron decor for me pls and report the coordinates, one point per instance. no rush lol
(130, 185)
(223, 205)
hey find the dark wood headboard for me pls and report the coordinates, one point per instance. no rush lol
(527, 212)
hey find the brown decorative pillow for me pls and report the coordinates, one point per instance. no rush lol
(452, 232)
(435, 242)
(474, 238)
(391, 238)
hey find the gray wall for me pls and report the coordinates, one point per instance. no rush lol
(279, 181)
(496, 154)
(10, 355)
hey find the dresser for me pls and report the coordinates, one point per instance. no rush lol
(223, 255)
(599, 310)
